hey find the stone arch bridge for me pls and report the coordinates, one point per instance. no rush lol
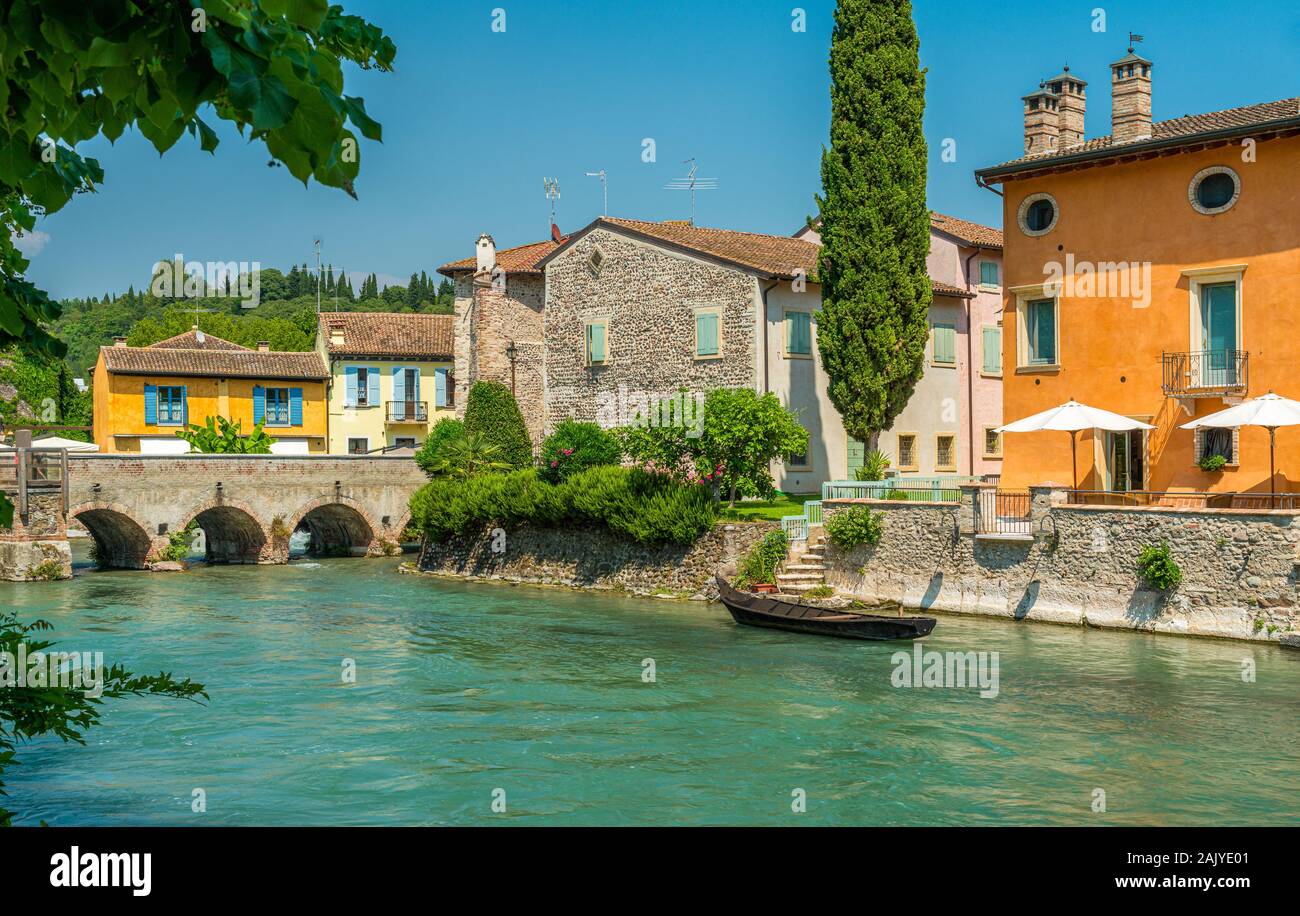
(248, 506)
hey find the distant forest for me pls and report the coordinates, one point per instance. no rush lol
(285, 315)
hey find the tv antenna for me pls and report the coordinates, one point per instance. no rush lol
(604, 189)
(552, 186)
(692, 183)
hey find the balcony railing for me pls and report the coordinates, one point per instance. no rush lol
(408, 412)
(1203, 372)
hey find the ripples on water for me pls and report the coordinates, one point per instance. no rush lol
(463, 688)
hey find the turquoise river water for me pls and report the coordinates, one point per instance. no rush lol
(464, 689)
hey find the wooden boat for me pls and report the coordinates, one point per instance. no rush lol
(763, 611)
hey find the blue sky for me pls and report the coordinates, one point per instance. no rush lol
(474, 119)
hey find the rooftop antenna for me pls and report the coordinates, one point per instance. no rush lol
(604, 189)
(552, 186)
(198, 334)
(692, 183)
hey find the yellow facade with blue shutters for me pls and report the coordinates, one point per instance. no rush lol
(143, 396)
(386, 403)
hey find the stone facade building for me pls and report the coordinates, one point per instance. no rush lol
(601, 324)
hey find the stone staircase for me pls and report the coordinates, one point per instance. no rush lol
(808, 570)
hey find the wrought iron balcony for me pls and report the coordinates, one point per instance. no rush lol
(1205, 373)
(408, 412)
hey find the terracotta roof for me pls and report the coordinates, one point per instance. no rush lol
(1188, 130)
(383, 334)
(947, 289)
(974, 233)
(190, 341)
(208, 363)
(522, 259)
(777, 256)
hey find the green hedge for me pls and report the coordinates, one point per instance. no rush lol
(491, 411)
(648, 508)
(853, 526)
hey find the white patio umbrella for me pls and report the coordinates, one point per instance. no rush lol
(1268, 410)
(72, 445)
(1071, 417)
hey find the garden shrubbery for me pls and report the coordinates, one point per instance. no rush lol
(855, 525)
(648, 508)
(1158, 568)
(759, 565)
(575, 447)
(491, 411)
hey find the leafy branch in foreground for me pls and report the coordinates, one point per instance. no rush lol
(65, 712)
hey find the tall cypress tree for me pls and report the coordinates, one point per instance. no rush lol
(875, 229)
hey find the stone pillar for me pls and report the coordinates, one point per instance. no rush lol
(36, 547)
(1042, 499)
(968, 508)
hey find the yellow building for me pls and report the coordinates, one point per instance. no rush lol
(390, 377)
(144, 395)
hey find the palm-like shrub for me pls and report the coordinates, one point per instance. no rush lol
(874, 465)
(442, 432)
(466, 456)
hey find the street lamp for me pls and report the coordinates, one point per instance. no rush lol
(512, 353)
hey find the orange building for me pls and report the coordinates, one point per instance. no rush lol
(144, 395)
(1153, 273)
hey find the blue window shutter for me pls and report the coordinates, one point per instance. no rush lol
(151, 405)
(415, 395)
(259, 404)
(350, 387)
(399, 384)
(185, 405)
(372, 378)
(439, 387)
(295, 407)
(989, 273)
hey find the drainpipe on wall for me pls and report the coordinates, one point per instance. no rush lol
(766, 354)
(970, 371)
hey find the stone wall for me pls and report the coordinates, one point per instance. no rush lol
(488, 318)
(36, 547)
(649, 296)
(1079, 566)
(594, 557)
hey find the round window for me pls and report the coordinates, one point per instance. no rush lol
(1214, 190)
(1037, 214)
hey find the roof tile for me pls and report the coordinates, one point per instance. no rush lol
(208, 363)
(383, 334)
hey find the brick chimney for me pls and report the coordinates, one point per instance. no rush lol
(1042, 121)
(1073, 103)
(1130, 87)
(263, 346)
(119, 341)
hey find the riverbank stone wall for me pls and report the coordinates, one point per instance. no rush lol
(594, 557)
(1078, 565)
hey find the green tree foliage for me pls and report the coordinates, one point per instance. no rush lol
(1158, 568)
(875, 229)
(647, 508)
(444, 431)
(43, 393)
(491, 411)
(219, 436)
(69, 73)
(575, 447)
(743, 434)
(293, 333)
(66, 713)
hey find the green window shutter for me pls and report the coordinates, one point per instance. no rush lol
(945, 344)
(992, 350)
(595, 343)
(989, 273)
(799, 332)
(706, 333)
(1044, 328)
(856, 453)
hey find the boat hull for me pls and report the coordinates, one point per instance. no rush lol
(775, 614)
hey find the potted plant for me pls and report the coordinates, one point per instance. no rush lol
(1213, 463)
(758, 571)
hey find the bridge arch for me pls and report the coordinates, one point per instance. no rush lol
(339, 525)
(121, 541)
(232, 532)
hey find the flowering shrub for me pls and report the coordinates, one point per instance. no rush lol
(575, 447)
